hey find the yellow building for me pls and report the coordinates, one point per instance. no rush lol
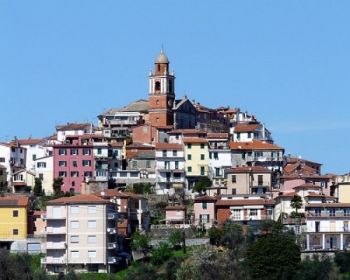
(197, 158)
(13, 217)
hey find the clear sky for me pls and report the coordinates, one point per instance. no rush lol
(287, 62)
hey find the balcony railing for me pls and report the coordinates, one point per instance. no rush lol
(112, 245)
(56, 230)
(112, 216)
(111, 230)
(55, 245)
(327, 214)
(251, 218)
(51, 260)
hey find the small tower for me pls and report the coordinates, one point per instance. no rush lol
(161, 93)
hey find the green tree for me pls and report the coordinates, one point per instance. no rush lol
(142, 272)
(296, 203)
(232, 236)
(214, 235)
(142, 188)
(57, 186)
(342, 260)
(140, 242)
(161, 254)
(38, 187)
(273, 255)
(202, 184)
(176, 237)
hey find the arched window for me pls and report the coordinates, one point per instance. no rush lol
(157, 86)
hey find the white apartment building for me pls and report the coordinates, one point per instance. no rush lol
(81, 234)
(247, 132)
(170, 168)
(13, 158)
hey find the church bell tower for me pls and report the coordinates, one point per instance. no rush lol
(161, 93)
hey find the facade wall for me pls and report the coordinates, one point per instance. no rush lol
(244, 182)
(45, 172)
(208, 208)
(196, 163)
(9, 224)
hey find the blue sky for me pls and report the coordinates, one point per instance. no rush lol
(287, 62)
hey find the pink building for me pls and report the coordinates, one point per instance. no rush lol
(204, 211)
(74, 162)
(175, 214)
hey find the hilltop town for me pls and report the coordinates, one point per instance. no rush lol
(158, 167)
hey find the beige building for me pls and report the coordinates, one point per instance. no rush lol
(248, 180)
(81, 234)
(342, 188)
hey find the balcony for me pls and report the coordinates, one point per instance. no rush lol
(112, 216)
(55, 230)
(327, 214)
(111, 230)
(112, 245)
(55, 245)
(51, 260)
(112, 260)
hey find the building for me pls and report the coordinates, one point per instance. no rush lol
(3, 175)
(13, 219)
(175, 214)
(342, 188)
(43, 169)
(247, 132)
(72, 129)
(81, 234)
(204, 211)
(23, 180)
(249, 180)
(196, 159)
(170, 168)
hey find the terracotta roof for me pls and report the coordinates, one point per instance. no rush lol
(73, 126)
(29, 141)
(205, 198)
(243, 202)
(175, 207)
(195, 140)
(295, 160)
(307, 186)
(79, 199)
(295, 168)
(168, 146)
(245, 169)
(110, 193)
(289, 194)
(14, 200)
(117, 144)
(217, 136)
(241, 127)
(186, 131)
(254, 145)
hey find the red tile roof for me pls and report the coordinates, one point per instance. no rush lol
(217, 136)
(241, 127)
(73, 126)
(29, 141)
(327, 205)
(245, 169)
(168, 146)
(205, 198)
(195, 140)
(14, 200)
(175, 207)
(307, 186)
(254, 145)
(79, 199)
(186, 131)
(243, 202)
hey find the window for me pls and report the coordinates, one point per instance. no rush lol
(346, 226)
(34, 157)
(62, 163)
(210, 155)
(157, 84)
(148, 164)
(15, 231)
(74, 239)
(253, 212)
(1, 172)
(74, 224)
(217, 171)
(202, 157)
(238, 135)
(99, 151)
(92, 224)
(73, 183)
(74, 254)
(204, 205)
(249, 135)
(202, 146)
(176, 165)
(204, 218)
(92, 209)
(62, 152)
(86, 162)
(233, 191)
(189, 169)
(15, 213)
(346, 211)
(332, 212)
(233, 179)
(236, 214)
(91, 239)
(202, 171)
(317, 226)
(134, 164)
(41, 164)
(216, 156)
(74, 151)
(92, 254)
(62, 174)
(189, 146)
(175, 153)
(260, 180)
(2, 159)
(189, 157)
(74, 209)
(86, 151)
(74, 174)
(164, 153)
(88, 174)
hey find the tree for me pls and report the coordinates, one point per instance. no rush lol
(232, 235)
(161, 254)
(342, 259)
(176, 237)
(57, 185)
(296, 203)
(142, 272)
(38, 187)
(202, 184)
(140, 242)
(214, 235)
(142, 188)
(273, 255)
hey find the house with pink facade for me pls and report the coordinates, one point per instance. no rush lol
(175, 214)
(204, 211)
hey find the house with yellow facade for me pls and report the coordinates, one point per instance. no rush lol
(13, 218)
(196, 159)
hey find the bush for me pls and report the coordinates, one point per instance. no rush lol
(161, 254)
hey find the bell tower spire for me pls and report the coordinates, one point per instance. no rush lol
(161, 92)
